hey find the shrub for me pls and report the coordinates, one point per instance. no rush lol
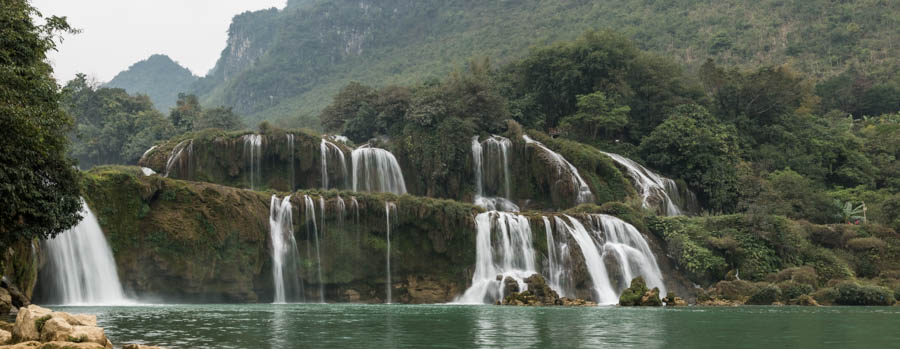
(734, 290)
(804, 275)
(765, 295)
(865, 244)
(850, 293)
(791, 290)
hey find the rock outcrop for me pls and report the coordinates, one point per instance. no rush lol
(639, 295)
(538, 293)
(40, 327)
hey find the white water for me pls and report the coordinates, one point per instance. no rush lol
(584, 193)
(494, 152)
(376, 170)
(389, 208)
(557, 261)
(253, 152)
(327, 149)
(354, 205)
(514, 256)
(144, 156)
(312, 229)
(285, 256)
(184, 147)
(147, 171)
(293, 173)
(82, 267)
(656, 191)
(612, 240)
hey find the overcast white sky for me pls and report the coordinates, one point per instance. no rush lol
(118, 33)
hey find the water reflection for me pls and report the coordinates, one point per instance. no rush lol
(453, 326)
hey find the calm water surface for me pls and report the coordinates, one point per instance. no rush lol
(452, 326)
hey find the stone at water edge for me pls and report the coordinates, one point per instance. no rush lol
(510, 285)
(53, 345)
(5, 336)
(639, 295)
(25, 328)
(140, 346)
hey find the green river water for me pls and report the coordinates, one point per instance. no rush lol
(456, 326)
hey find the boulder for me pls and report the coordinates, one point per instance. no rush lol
(8, 327)
(57, 329)
(5, 336)
(53, 345)
(89, 334)
(510, 285)
(5, 301)
(140, 346)
(639, 295)
(537, 294)
(805, 300)
(19, 299)
(28, 321)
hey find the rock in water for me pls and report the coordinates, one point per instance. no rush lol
(537, 294)
(639, 295)
(510, 285)
(35, 323)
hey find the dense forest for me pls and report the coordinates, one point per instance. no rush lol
(284, 64)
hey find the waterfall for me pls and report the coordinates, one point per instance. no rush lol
(285, 256)
(514, 256)
(253, 152)
(389, 208)
(312, 229)
(293, 174)
(557, 262)
(494, 152)
(619, 244)
(177, 155)
(354, 205)
(144, 156)
(656, 191)
(376, 170)
(326, 149)
(80, 267)
(584, 193)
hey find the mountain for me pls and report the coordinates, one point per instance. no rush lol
(288, 63)
(158, 77)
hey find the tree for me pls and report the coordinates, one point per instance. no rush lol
(219, 117)
(187, 110)
(596, 113)
(696, 147)
(39, 186)
(346, 105)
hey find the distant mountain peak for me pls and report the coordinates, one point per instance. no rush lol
(159, 77)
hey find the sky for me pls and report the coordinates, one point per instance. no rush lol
(118, 33)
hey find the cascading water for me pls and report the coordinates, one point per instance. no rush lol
(656, 191)
(494, 152)
(253, 152)
(354, 205)
(611, 240)
(389, 208)
(285, 256)
(80, 267)
(557, 262)
(514, 256)
(327, 149)
(376, 170)
(293, 174)
(584, 193)
(178, 154)
(312, 229)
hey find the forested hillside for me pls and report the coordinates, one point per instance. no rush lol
(158, 77)
(285, 64)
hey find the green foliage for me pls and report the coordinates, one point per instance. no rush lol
(851, 293)
(847, 212)
(695, 146)
(39, 188)
(765, 295)
(112, 127)
(39, 322)
(596, 113)
(158, 77)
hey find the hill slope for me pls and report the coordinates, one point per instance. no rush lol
(289, 62)
(158, 77)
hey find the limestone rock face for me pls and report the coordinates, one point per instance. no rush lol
(5, 336)
(56, 329)
(5, 301)
(26, 327)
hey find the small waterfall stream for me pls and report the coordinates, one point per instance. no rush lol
(253, 152)
(389, 208)
(293, 173)
(181, 150)
(514, 257)
(583, 191)
(285, 256)
(491, 162)
(656, 191)
(312, 230)
(326, 150)
(376, 170)
(80, 267)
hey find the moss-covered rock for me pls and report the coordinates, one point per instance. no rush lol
(638, 295)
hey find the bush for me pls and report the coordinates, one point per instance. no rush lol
(734, 290)
(865, 244)
(791, 290)
(850, 293)
(765, 295)
(804, 275)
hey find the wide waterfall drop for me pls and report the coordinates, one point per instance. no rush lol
(612, 243)
(557, 262)
(312, 229)
(80, 267)
(327, 149)
(389, 208)
(376, 170)
(584, 193)
(656, 191)
(515, 256)
(293, 173)
(253, 152)
(285, 256)
(182, 150)
(491, 162)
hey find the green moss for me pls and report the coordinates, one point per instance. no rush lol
(39, 322)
